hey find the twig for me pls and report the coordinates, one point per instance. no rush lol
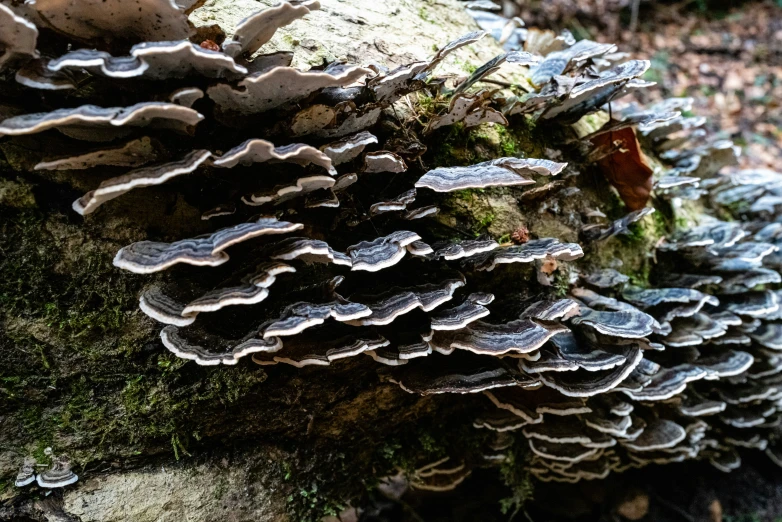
(500, 83)
(634, 8)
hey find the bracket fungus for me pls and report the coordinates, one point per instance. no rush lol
(309, 251)
(164, 309)
(253, 291)
(383, 161)
(134, 153)
(82, 122)
(278, 86)
(282, 193)
(567, 354)
(473, 110)
(555, 63)
(382, 252)
(26, 474)
(472, 309)
(388, 306)
(260, 151)
(146, 257)
(257, 29)
(303, 351)
(144, 177)
(181, 347)
(618, 227)
(186, 96)
(514, 337)
(526, 253)
(141, 20)
(396, 204)
(431, 377)
(464, 249)
(502, 172)
(594, 93)
(606, 278)
(153, 60)
(299, 316)
(58, 475)
(18, 37)
(347, 149)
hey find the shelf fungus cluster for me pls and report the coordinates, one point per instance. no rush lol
(652, 375)
(319, 238)
(615, 376)
(57, 474)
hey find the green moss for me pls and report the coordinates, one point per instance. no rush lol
(312, 496)
(635, 235)
(640, 277)
(426, 103)
(86, 301)
(15, 156)
(515, 474)
(509, 145)
(222, 488)
(474, 207)
(495, 211)
(661, 225)
(318, 504)
(467, 194)
(406, 452)
(648, 230)
(451, 149)
(483, 222)
(76, 371)
(466, 66)
(635, 249)
(16, 194)
(457, 145)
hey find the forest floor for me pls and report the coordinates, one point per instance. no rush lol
(727, 57)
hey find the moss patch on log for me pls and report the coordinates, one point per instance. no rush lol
(83, 372)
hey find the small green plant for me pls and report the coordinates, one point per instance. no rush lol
(561, 282)
(483, 223)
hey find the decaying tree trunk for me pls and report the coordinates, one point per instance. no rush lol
(153, 436)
